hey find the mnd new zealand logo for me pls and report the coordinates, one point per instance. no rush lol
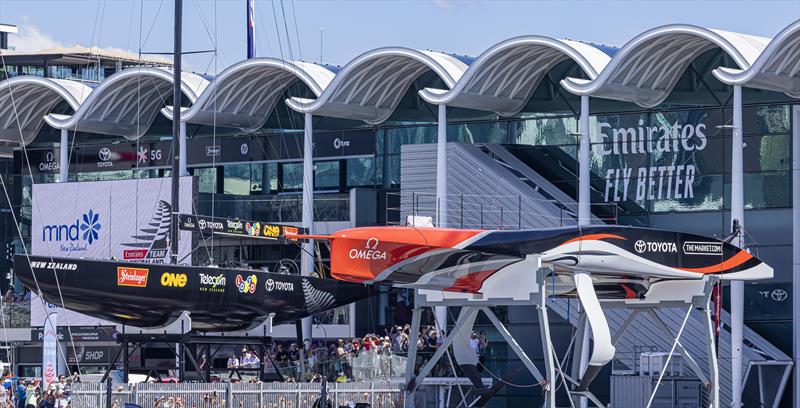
(74, 237)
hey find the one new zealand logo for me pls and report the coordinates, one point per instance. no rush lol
(152, 242)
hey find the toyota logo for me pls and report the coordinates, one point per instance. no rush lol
(640, 246)
(372, 243)
(202, 223)
(105, 154)
(269, 285)
(779, 295)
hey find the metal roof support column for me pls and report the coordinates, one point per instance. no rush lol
(584, 163)
(307, 258)
(581, 352)
(63, 157)
(441, 194)
(737, 214)
(796, 244)
(183, 170)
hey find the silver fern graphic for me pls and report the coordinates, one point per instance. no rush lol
(316, 300)
(155, 236)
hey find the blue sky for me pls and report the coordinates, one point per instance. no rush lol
(352, 27)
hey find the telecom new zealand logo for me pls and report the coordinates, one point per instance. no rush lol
(75, 237)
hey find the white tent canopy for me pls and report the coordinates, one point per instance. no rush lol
(370, 87)
(126, 104)
(504, 77)
(777, 68)
(245, 94)
(646, 69)
(25, 100)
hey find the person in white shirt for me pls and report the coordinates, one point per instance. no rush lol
(250, 360)
(474, 343)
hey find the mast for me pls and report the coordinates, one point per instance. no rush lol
(176, 130)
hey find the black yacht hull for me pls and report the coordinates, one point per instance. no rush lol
(154, 295)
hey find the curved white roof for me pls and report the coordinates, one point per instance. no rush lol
(126, 104)
(504, 77)
(370, 87)
(646, 69)
(244, 95)
(777, 68)
(31, 98)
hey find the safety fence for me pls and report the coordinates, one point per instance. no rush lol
(378, 394)
(365, 366)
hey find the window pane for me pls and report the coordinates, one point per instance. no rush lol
(206, 179)
(361, 172)
(485, 132)
(544, 131)
(237, 179)
(326, 175)
(292, 176)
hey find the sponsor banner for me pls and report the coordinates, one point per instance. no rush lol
(245, 228)
(91, 355)
(122, 219)
(201, 152)
(110, 157)
(344, 143)
(79, 333)
(50, 350)
(656, 157)
(217, 298)
(40, 310)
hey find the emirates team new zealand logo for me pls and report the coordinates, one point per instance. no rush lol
(152, 241)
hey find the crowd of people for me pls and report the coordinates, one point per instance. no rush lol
(31, 394)
(336, 360)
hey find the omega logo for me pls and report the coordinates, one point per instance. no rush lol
(370, 252)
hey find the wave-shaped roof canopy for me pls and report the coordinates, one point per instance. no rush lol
(504, 77)
(646, 69)
(245, 94)
(126, 104)
(777, 68)
(25, 100)
(370, 87)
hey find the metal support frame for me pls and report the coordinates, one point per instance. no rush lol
(584, 163)
(182, 163)
(306, 256)
(468, 312)
(702, 301)
(737, 213)
(441, 192)
(63, 157)
(547, 344)
(796, 247)
(681, 349)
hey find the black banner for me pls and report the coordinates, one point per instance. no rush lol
(201, 151)
(91, 355)
(78, 333)
(245, 228)
(110, 157)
